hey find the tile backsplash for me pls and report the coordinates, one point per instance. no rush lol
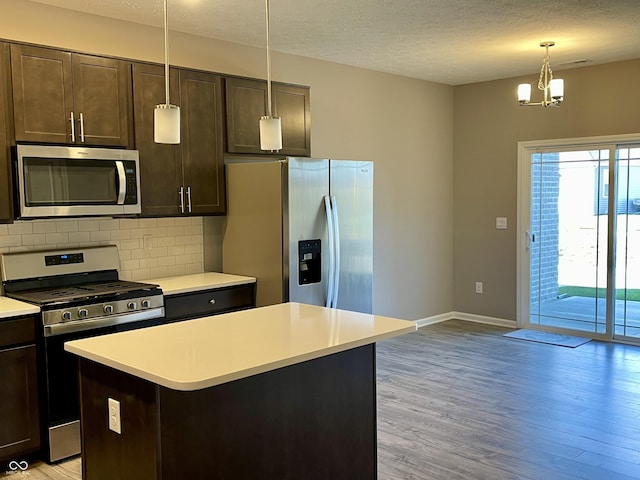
(149, 247)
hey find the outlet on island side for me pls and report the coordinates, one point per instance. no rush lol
(479, 287)
(114, 415)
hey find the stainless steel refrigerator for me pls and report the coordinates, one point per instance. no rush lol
(304, 228)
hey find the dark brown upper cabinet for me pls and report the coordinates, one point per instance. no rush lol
(6, 209)
(246, 102)
(69, 98)
(184, 179)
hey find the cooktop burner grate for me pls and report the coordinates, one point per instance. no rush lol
(77, 292)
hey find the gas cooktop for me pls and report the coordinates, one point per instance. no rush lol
(87, 291)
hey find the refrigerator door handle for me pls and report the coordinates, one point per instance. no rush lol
(336, 250)
(331, 275)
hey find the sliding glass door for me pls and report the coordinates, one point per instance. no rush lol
(627, 238)
(579, 238)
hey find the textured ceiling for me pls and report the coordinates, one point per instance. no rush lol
(447, 41)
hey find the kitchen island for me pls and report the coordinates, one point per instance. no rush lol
(280, 392)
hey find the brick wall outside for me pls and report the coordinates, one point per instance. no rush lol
(545, 189)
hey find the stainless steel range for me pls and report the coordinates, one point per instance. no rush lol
(80, 295)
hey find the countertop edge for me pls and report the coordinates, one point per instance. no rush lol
(10, 308)
(237, 375)
(202, 288)
(199, 282)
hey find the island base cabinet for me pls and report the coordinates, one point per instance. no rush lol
(311, 420)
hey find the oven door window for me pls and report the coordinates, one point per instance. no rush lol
(59, 181)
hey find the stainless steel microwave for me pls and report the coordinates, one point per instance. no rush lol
(57, 181)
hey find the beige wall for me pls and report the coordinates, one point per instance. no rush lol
(489, 123)
(405, 126)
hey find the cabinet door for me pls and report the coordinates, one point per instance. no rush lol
(292, 105)
(20, 432)
(42, 94)
(102, 95)
(160, 166)
(6, 209)
(202, 159)
(246, 103)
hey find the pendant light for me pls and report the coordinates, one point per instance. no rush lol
(270, 127)
(166, 117)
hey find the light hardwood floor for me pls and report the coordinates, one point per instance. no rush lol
(458, 400)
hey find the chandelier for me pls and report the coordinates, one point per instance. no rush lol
(552, 88)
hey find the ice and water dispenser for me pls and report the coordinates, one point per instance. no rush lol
(309, 262)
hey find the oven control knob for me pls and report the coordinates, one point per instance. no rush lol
(145, 303)
(66, 316)
(108, 309)
(83, 313)
(131, 305)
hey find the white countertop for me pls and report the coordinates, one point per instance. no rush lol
(15, 308)
(204, 352)
(198, 281)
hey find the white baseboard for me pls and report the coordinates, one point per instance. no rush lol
(443, 317)
(467, 317)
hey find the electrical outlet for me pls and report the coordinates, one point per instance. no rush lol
(146, 241)
(114, 415)
(479, 287)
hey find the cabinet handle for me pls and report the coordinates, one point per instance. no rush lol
(82, 128)
(181, 194)
(73, 127)
(212, 301)
(189, 199)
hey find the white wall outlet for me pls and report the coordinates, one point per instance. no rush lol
(501, 223)
(114, 415)
(479, 287)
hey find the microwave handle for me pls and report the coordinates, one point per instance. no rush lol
(122, 182)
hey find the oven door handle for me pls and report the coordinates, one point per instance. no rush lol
(80, 325)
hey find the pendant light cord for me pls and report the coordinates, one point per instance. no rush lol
(166, 54)
(268, 62)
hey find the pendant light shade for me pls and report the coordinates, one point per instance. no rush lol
(166, 124)
(270, 133)
(270, 127)
(166, 117)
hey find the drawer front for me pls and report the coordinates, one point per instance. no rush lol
(15, 331)
(209, 302)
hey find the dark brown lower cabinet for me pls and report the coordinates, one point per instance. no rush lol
(210, 302)
(314, 420)
(19, 412)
